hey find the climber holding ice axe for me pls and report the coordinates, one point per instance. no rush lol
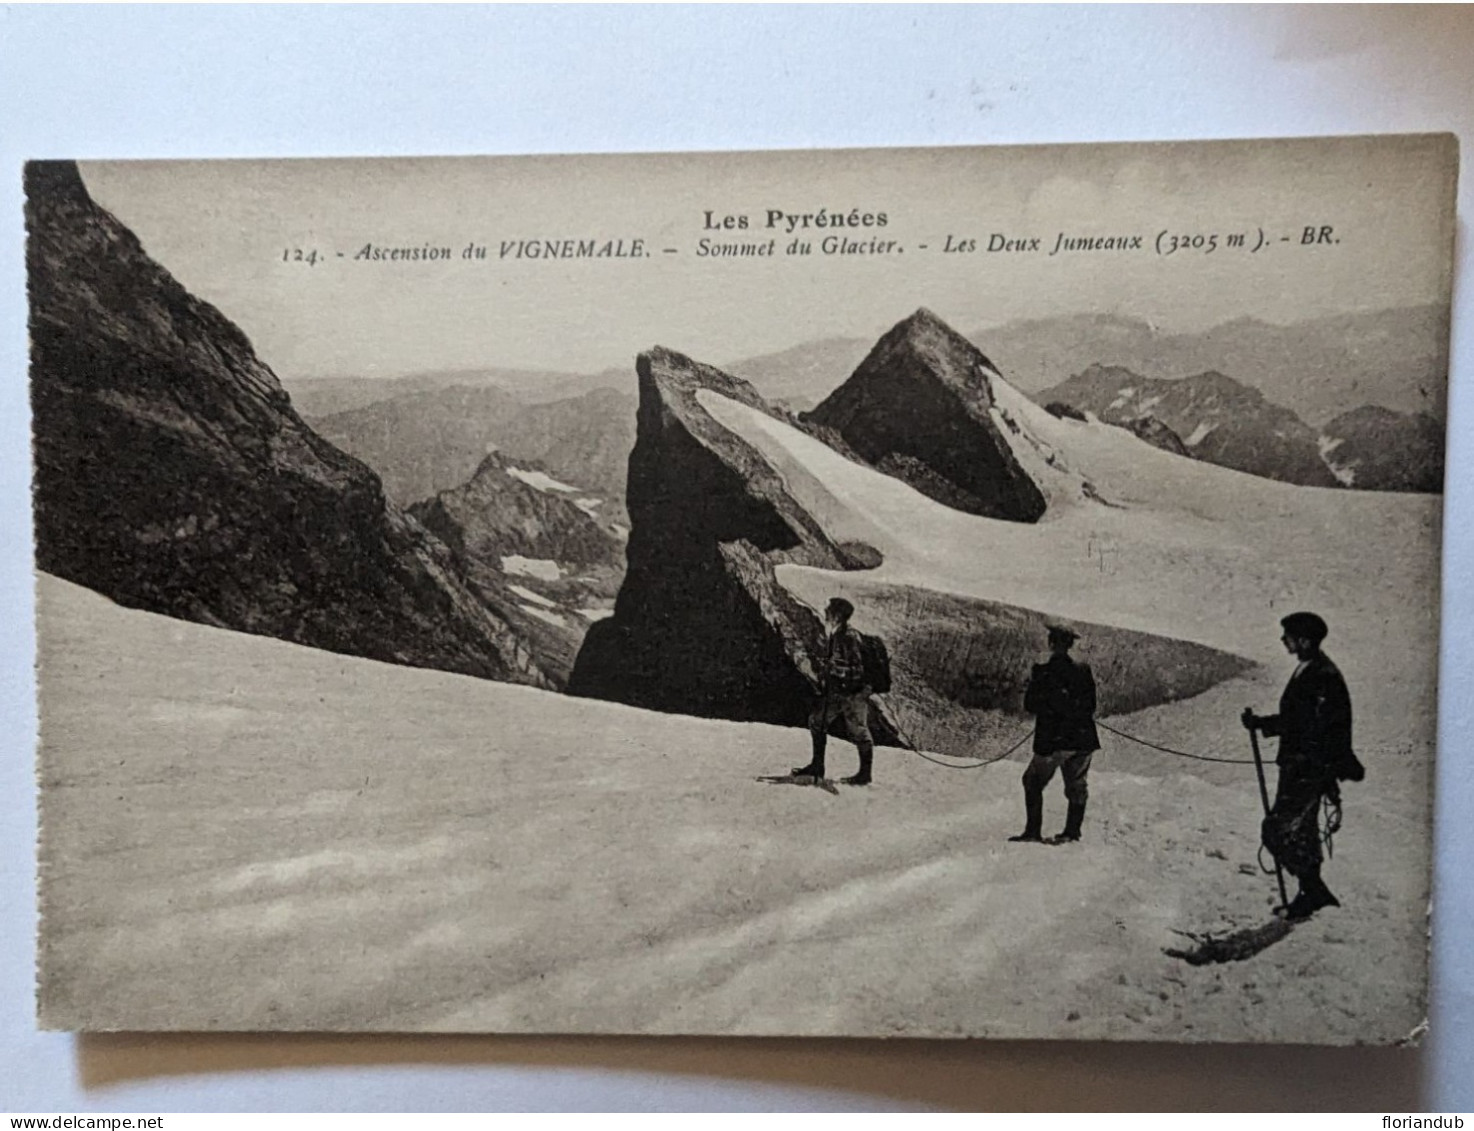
(1314, 731)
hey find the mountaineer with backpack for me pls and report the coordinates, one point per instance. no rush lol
(852, 667)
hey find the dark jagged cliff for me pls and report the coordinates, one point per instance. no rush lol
(919, 407)
(701, 625)
(171, 473)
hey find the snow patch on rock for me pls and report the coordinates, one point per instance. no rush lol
(1199, 434)
(536, 598)
(1345, 473)
(543, 614)
(539, 479)
(543, 568)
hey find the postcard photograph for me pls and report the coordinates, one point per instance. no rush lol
(974, 592)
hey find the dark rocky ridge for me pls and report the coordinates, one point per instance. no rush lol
(918, 408)
(496, 514)
(172, 474)
(701, 625)
(1376, 449)
(1219, 420)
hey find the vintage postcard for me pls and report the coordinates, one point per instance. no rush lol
(983, 592)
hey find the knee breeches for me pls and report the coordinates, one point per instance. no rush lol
(1074, 765)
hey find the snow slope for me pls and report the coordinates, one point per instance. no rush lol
(240, 833)
(1193, 551)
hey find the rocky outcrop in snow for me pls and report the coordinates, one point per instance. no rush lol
(1158, 434)
(172, 474)
(920, 407)
(701, 625)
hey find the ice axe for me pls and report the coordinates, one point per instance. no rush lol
(1248, 718)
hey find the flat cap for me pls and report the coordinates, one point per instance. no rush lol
(1307, 626)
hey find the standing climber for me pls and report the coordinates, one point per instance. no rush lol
(1314, 729)
(1061, 696)
(842, 693)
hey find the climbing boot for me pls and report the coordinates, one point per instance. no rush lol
(815, 769)
(1033, 819)
(1314, 895)
(1073, 820)
(867, 757)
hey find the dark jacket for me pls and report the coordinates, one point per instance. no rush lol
(842, 669)
(1061, 696)
(1314, 723)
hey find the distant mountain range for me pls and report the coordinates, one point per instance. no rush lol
(316, 397)
(1219, 420)
(1245, 395)
(427, 441)
(1396, 358)
(1321, 368)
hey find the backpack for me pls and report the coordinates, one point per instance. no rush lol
(875, 662)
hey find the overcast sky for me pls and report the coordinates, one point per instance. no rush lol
(222, 228)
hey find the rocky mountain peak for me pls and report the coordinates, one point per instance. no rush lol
(724, 486)
(494, 462)
(701, 625)
(1214, 384)
(921, 407)
(668, 377)
(924, 347)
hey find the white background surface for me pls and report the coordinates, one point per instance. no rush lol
(176, 82)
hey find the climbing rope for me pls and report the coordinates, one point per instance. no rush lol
(912, 745)
(977, 765)
(981, 762)
(1331, 802)
(1170, 750)
(1332, 824)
